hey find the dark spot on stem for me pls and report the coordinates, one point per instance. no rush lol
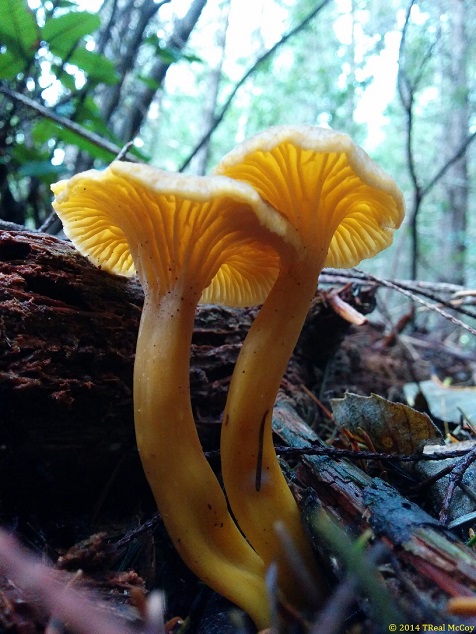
(259, 460)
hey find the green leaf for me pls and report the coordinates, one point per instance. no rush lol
(66, 79)
(171, 55)
(40, 169)
(35, 162)
(89, 115)
(151, 83)
(18, 30)
(10, 65)
(45, 130)
(191, 57)
(96, 66)
(63, 32)
(153, 40)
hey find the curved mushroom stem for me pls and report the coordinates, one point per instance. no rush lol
(188, 495)
(256, 488)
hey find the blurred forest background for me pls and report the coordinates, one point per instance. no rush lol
(182, 82)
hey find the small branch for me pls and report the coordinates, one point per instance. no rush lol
(219, 117)
(406, 91)
(122, 154)
(10, 226)
(438, 300)
(352, 454)
(455, 478)
(457, 155)
(92, 137)
(407, 287)
(332, 452)
(342, 276)
(421, 301)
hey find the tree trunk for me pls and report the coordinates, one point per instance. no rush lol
(200, 161)
(137, 110)
(455, 221)
(126, 54)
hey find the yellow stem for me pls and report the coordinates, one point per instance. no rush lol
(256, 488)
(188, 495)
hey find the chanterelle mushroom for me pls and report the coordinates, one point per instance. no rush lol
(344, 208)
(181, 234)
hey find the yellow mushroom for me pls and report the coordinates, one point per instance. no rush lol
(344, 208)
(462, 606)
(181, 234)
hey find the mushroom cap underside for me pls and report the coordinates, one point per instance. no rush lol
(212, 233)
(331, 191)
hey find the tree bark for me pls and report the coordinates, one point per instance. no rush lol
(139, 107)
(456, 181)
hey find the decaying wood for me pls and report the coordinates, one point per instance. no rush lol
(427, 563)
(68, 334)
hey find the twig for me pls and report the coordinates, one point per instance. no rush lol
(150, 524)
(49, 221)
(122, 154)
(10, 226)
(455, 477)
(333, 452)
(424, 288)
(341, 276)
(442, 171)
(417, 299)
(367, 455)
(92, 137)
(406, 91)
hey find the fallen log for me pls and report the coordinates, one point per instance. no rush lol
(68, 333)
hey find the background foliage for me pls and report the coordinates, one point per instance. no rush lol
(182, 82)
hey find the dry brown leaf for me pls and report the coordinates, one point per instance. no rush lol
(392, 427)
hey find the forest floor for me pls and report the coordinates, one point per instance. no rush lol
(122, 554)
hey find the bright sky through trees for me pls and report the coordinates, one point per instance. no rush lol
(248, 16)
